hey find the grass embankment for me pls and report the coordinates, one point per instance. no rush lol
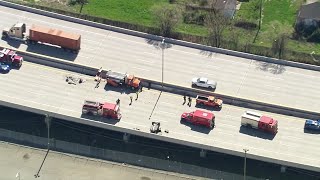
(139, 12)
(284, 11)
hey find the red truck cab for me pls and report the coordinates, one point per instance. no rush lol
(10, 56)
(260, 122)
(111, 110)
(199, 117)
(268, 124)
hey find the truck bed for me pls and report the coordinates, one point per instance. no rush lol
(205, 98)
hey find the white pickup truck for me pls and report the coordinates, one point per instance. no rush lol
(204, 82)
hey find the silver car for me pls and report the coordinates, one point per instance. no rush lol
(204, 82)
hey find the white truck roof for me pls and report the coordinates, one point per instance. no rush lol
(250, 118)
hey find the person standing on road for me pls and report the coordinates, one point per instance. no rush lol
(190, 100)
(184, 99)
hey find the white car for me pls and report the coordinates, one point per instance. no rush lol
(204, 82)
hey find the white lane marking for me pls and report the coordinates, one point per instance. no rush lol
(302, 74)
(151, 61)
(139, 68)
(205, 73)
(212, 66)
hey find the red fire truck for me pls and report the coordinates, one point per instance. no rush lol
(260, 122)
(108, 110)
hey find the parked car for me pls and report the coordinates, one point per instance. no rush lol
(4, 68)
(204, 82)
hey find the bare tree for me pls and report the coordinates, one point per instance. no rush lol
(81, 2)
(167, 17)
(279, 38)
(216, 23)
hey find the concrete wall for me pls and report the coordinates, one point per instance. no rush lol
(117, 156)
(158, 38)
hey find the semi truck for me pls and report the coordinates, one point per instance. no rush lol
(199, 117)
(65, 40)
(118, 79)
(209, 101)
(108, 110)
(10, 57)
(260, 122)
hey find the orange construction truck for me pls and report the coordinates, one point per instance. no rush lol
(209, 101)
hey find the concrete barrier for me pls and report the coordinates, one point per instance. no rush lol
(53, 113)
(159, 38)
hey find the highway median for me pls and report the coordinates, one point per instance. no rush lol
(171, 88)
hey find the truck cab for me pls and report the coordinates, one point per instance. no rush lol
(9, 56)
(260, 122)
(199, 117)
(16, 31)
(111, 110)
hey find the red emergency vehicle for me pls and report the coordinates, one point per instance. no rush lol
(199, 117)
(10, 57)
(108, 110)
(260, 122)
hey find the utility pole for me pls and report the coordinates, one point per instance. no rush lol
(245, 163)
(48, 123)
(162, 48)
(260, 19)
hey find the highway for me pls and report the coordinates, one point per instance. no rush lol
(45, 88)
(271, 83)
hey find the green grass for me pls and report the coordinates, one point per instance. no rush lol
(284, 11)
(139, 12)
(133, 11)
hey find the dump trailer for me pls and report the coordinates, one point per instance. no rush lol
(209, 101)
(118, 79)
(108, 110)
(260, 122)
(41, 34)
(199, 117)
(10, 57)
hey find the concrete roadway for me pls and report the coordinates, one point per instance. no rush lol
(245, 78)
(59, 166)
(45, 88)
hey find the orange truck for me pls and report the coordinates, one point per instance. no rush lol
(118, 79)
(108, 110)
(209, 101)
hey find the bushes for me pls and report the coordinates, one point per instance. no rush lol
(315, 36)
(194, 17)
